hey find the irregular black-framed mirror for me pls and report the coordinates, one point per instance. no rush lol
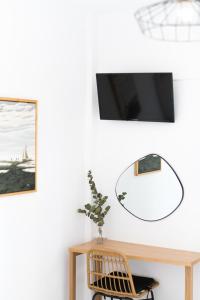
(153, 189)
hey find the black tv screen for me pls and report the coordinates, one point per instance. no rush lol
(136, 96)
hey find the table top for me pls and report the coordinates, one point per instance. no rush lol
(142, 252)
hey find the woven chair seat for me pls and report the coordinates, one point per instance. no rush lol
(140, 283)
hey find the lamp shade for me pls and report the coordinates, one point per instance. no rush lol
(171, 20)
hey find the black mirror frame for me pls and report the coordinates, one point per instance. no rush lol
(176, 177)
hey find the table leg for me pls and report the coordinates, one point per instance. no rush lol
(72, 275)
(188, 283)
(99, 270)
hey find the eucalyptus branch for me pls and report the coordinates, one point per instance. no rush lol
(97, 209)
(121, 197)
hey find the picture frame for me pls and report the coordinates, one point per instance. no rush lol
(18, 151)
(148, 164)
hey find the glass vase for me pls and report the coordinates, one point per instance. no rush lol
(99, 239)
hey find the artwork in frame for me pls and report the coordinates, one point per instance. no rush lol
(18, 136)
(148, 164)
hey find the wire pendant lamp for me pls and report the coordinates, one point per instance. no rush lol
(171, 20)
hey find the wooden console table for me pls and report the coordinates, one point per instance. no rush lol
(186, 259)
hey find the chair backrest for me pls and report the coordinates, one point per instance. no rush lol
(109, 273)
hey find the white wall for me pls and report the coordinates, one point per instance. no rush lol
(43, 49)
(120, 47)
(50, 51)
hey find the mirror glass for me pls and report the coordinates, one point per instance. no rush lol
(149, 188)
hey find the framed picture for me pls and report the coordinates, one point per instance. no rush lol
(148, 164)
(18, 148)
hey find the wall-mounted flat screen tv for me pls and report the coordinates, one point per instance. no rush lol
(136, 96)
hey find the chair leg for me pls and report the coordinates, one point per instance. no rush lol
(93, 297)
(98, 294)
(111, 298)
(152, 295)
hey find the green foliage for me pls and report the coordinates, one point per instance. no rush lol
(121, 197)
(97, 210)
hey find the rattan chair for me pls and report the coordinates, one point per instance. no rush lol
(109, 275)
